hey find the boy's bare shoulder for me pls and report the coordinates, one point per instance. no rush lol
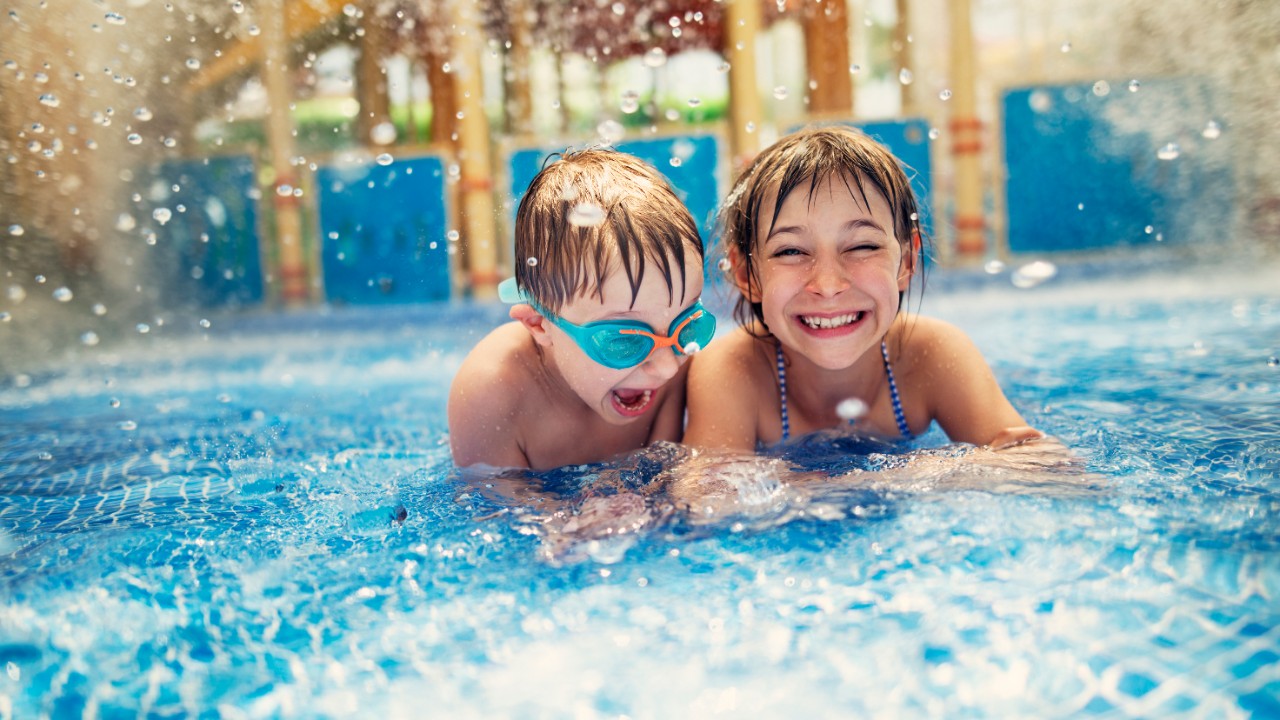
(497, 374)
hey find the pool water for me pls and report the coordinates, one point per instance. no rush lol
(261, 519)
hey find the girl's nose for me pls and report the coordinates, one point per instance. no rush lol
(828, 278)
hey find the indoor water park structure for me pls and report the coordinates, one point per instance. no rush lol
(245, 246)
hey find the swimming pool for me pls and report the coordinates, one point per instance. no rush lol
(260, 520)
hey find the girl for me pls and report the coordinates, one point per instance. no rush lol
(823, 239)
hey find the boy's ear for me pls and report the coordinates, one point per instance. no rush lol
(533, 321)
(910, 262)
(741, 277)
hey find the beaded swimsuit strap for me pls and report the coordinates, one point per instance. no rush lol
(898, 415)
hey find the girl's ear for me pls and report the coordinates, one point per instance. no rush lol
(910, 261)
(533, 321)
(741, 276)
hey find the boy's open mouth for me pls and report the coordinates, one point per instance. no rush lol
(833, 322)
(631, 402)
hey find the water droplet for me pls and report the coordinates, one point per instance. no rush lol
(780, 92)
(237, 7)
(691, 348)
(934, 133)
(49, 100)
(63, 294)
(204, 323)
(22, 380)
(531, 262)
(611, 132)
(619, 9)
(1066, 47)
(142, 328)
(851, 409)
(125, 222)
(724, 265)
(854, 69)
(1273, 361)
(1134, 85)
(114, 18)
(1170, 151)
(586, 215)
(676, 162)
(134, 139)
(1080, 206)
(672, 114)
(128, 425)
(254, 30)
(1212, 131)
(905, 76)
(17, 294)
(384, 159)
(89, 338)
(169, 142)
(5, 316)
(143, 114)
(750, 127)
(17, 230)
(724, 67)
(44, 455)
(452, 235)
(915, 217)
(944, 95)
(695, 102)
(655, 58)
(115, 402)
(224, 398)
(994, 267)
(384, 133)
(1102, 88)
(193, 64)
(629, 101)
(1033, 273)
(162, 215)
(99, 309)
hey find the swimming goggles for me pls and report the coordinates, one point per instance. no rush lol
(622, 344)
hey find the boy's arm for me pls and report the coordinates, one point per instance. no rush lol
(483, 416)
(963, 393)
(723, 397)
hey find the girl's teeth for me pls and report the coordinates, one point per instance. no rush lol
(830, 322)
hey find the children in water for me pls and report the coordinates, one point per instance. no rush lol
(607, 309)
(823, 243)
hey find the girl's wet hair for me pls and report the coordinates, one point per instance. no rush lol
(805, 160)
(586, 213)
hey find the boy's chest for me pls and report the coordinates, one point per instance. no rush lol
(555, 441)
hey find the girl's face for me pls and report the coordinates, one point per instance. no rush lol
(830, 272)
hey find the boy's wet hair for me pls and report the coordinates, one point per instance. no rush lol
(589, 212)
(805, 160)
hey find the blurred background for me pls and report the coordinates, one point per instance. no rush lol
(167, 162)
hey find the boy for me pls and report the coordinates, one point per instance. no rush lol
(607, 309)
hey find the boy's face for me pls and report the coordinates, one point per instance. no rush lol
(830, 272)
(624, 396)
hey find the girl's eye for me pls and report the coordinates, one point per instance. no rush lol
(787, 252)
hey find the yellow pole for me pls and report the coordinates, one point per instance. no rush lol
(519, 64)
(902, 54)
(295, 286)
(476, 185)
(966, 137)
(826, 52)
(743, 19)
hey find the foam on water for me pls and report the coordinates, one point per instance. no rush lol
(269, 547)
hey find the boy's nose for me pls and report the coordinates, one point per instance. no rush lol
(663, 364)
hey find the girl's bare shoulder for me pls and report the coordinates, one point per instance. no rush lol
(737, 351)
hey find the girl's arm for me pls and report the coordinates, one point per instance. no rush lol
(723, 397)
(960, 389)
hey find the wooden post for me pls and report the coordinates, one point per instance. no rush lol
(742, 24)
(476, 185)
(966, 137)
(519, 106)
(902, 56)
(826, 53)
(295, 285)
(371, 80)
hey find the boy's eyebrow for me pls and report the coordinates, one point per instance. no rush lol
(847, 227)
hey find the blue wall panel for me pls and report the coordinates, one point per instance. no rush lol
(383, 231)
(208, 250)
(1085, 169)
